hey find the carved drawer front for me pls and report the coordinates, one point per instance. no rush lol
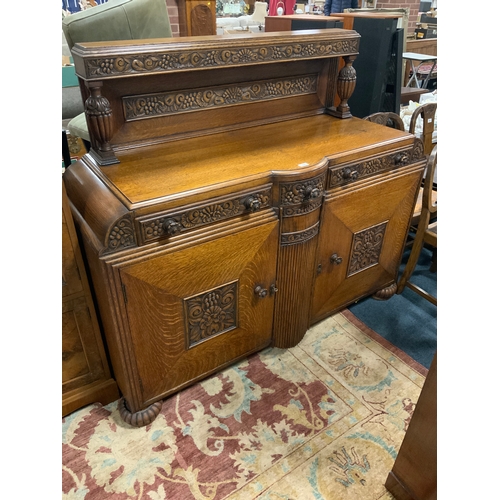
(351, 172)
(301, 197)
(171, 223)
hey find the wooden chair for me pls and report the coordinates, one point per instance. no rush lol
(393, 120)
(426, 232)
(428, 113)
(388, 119)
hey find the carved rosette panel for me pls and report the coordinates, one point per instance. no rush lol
(214, 57)
(299, 236)
(366, 248)
(152, 229)
(211, 313)
(121, 236)
(160, 104)
(297, 193)
(349, 173)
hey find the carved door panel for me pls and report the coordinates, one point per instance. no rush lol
(361, 240)
(196, 309)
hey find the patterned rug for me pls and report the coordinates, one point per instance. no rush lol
(321, 421)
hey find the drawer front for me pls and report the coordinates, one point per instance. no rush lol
(301, 197)
(170, 223)
(373, 165)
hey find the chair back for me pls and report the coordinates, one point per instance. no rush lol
(428, 113)
(426, 232)
(388, 119)
(118, 20)
(429, 194)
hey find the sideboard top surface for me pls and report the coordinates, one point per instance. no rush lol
(165, 170)
(89, 49)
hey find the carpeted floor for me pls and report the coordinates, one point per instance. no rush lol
(408, 321)
(323, 420)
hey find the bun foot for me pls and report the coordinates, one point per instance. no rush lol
(385, 293)
(139, 418)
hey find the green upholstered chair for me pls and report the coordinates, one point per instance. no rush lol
(114, 20)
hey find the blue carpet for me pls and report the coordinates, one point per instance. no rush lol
(407, 321)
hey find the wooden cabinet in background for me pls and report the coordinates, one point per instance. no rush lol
(301, 22)
(85, 373)
(197, 17)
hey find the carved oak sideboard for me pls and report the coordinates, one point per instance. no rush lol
(227, 204)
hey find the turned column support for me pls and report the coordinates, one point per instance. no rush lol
(98, 112)
(346, 83)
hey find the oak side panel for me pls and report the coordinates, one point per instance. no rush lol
(86, 375)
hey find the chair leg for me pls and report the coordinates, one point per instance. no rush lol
(418, 243)
(433, 267)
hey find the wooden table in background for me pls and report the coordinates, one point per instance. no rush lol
(301, 22)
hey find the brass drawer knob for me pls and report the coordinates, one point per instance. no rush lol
(335, 259)
(349, 175)
(252, 204)
(399, 158)
(310, 193)
(172, 227)
(260, 292)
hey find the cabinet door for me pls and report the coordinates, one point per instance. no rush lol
(362, 234)
(194, 309)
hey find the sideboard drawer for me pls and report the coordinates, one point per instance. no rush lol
(358, 170)
(162, 225)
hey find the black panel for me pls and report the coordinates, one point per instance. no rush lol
(378, 67)
(391, 99)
